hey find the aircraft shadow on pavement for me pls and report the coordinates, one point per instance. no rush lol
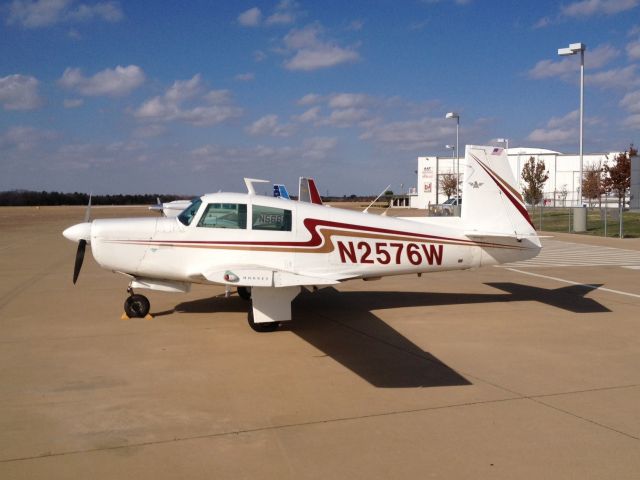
(353, 337)
(341, 325)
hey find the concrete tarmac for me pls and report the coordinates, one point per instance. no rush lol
(501, 373)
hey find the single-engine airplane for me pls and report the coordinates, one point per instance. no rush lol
(269, 248)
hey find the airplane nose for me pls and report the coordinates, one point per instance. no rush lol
(81, 231)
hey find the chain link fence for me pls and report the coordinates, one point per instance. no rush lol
(610, 221)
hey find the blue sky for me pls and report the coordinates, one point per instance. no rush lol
(190, 97)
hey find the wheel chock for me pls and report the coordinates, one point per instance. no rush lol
(124, 316)
(148, 317)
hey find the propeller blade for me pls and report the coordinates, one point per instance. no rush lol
(87, 213)
(82, 244)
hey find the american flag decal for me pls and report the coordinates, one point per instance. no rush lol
(496, 151)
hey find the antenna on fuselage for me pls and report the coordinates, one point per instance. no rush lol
(249, 183)
(366, 210)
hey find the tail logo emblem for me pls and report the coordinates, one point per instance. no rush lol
(476, 184)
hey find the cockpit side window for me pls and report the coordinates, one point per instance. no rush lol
(270, 218)
(224, 215)
(187, 215)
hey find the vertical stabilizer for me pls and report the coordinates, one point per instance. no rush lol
(308, 192)
(280, 191)
(492, 203)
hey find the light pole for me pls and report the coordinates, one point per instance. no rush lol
(572, 49)
(457, 117)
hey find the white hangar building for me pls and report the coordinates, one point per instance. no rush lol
(561, 189)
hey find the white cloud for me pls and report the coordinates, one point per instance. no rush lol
(268, 125)
(348, 100)
(633, 50)
(108, 11)
(318, 148)
(43, 13)
(245, 77)
(565, 67)
(311, 149)
(631, 101)
(310, 115)
(346, 117)
(615, 78)
(557, 130)
(586, 8)
(73, 102)
(250, 18)
(411, 135)
(109, 82)
(22, 138)
(280, 18)
(285, 13)
(542, 23)
(632, 122)
(149, 131)
(311, 51)
(188, 101)
(309, 99)
(19, 92)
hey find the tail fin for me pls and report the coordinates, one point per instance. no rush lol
(280, 191)
(492, 204)
(307, 191)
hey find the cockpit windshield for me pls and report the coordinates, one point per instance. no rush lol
(186, 217)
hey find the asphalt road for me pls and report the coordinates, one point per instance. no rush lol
(523, 371)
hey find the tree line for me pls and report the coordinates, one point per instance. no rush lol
(16, 198)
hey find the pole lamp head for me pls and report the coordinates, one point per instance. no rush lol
(572, 49)
(452, 115)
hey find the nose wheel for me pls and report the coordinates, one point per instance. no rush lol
(136, 305)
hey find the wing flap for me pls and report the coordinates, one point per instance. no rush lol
(259, 276)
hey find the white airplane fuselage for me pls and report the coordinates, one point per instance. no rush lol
(324, 242)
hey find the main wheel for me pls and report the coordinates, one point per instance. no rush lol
(244, 293)
(261, 327)
(137, 306)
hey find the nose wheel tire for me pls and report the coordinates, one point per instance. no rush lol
(261, 327)
(137, 306)
(244, 293)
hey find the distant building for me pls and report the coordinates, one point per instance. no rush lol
(561, 189)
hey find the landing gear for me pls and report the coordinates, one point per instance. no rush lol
(261, 327)
(136, 305)
(244, 293)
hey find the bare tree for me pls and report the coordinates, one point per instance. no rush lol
(448, 184)
(618, 179)
(593, 183)
(563, 194)
(534, 176)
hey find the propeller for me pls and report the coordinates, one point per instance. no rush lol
(82, 245)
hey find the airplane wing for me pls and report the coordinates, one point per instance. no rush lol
(260, 276)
